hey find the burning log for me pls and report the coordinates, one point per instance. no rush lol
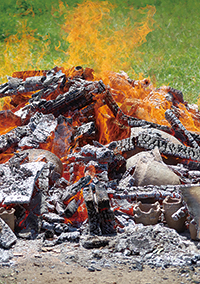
(93, 216)
(129, 120)
(178, 127)
(52, 79)
(106, 216)
(71, 190)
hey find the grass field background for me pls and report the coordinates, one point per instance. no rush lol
(168, 53)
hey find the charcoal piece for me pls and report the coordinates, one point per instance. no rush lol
(47, 226)
(13, 137)
(61, 228)
(74, 188)
(33, 83)
(17, 184)
(117, 168)
(93, 217)
(69, 236)
(37, 131)
(85, 133)
(126, 119)
(87, 114)
(106, 215)
(59, 206)
(52, 218)
(48, 235)
(7, 237)
(149, 141)
(177, 94)
(74, 99)
(42, 126)
(178, 126)
(71, 208)
(95, 242)
(52, 79)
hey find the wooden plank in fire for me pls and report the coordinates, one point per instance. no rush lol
(93, 216)
(178, 126)
(106, 215)
(129, 120)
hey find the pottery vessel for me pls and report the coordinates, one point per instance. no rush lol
(170, 206)
(8, 217)
(193, 231)
(147, 214)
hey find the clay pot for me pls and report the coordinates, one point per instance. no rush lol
(147, 214)
(8, 217)
(170, 206)
(193, 231)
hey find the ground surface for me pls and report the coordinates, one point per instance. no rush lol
(46, 267)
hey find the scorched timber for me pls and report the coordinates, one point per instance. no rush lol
(15, 86)
(129, 120)
(147, 141)
(178, 127)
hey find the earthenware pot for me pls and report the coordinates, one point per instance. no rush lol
(147, 214)
(170, 206)
(193, 231)
(8, 217)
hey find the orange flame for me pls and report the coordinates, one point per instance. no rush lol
(92, 44)
(18, 51)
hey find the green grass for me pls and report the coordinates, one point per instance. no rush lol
(170, 56)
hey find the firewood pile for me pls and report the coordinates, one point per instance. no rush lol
(73, 155)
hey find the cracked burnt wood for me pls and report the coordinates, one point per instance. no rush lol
(93, 216)
(149, 142)
(31, 135)
(71, 208)
(77, 97)
(85, 134)
(13, 137)
(73, 189)
(106, 215)
(52, 79)
(180, 129)
(129, 120)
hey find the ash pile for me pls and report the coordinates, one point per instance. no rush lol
(76, 168)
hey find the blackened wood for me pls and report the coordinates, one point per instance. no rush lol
(106, 215)
(129, 120)
(74, 188)
(149, 142)
(71, 208)
(93, 217)
(178, 126)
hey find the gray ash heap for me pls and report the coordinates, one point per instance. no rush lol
(113, 165)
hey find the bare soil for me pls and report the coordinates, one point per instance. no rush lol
(47, 268)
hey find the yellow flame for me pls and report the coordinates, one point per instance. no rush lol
(18, 51)
(96, 42)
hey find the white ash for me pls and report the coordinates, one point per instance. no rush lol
(137, 246)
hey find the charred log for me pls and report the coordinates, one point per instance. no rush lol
(178, 127)
(106, 215)
(93, 217)
(129, 120)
